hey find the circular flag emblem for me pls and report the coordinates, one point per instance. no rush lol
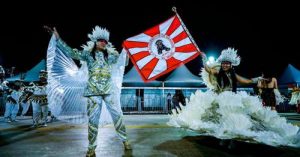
(161, 46)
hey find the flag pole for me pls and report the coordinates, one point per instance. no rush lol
(184, 27)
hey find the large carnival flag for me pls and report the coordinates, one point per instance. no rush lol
(161, 48)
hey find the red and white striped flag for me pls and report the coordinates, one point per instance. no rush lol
(161, 49)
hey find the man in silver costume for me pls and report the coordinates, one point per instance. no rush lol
(100, 56)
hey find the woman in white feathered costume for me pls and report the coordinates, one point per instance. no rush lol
(227, 114)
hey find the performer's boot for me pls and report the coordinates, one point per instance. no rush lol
(7, 119)
(91, 153)
(127, 145)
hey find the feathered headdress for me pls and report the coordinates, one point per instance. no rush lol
(99, 33)
(43, 74)
(229, 55)
(5, 83)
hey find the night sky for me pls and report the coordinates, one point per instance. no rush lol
(258, 31)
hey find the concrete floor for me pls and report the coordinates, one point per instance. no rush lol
(148, 134)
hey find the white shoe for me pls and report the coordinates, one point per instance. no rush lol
(53, 119)
(7, 120)
(34, 126)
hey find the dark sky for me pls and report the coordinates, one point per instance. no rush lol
(266, 36)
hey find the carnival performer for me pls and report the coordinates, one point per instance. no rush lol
(295, 98)
(226, 113)
(2, 74)
(24, 99)
(39, 100)
(3, 93)
(12, 104)
(269, 91)
(100, 57)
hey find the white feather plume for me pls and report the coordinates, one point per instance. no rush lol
(88, 46)
(210, 80)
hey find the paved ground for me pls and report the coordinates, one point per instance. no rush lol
(149, 135)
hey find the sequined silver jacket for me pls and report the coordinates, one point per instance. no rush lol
(99, 69)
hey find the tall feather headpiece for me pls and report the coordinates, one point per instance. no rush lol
(229, 55)
(99, 33)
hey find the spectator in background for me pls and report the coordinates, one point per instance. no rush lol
(181, 97)
(169, 101)
(175, 103)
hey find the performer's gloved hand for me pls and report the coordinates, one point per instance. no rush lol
(52, 31)
(256, 79)
(204, 58)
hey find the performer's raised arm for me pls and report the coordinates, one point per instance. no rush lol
(73, 53)
(244, 80)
